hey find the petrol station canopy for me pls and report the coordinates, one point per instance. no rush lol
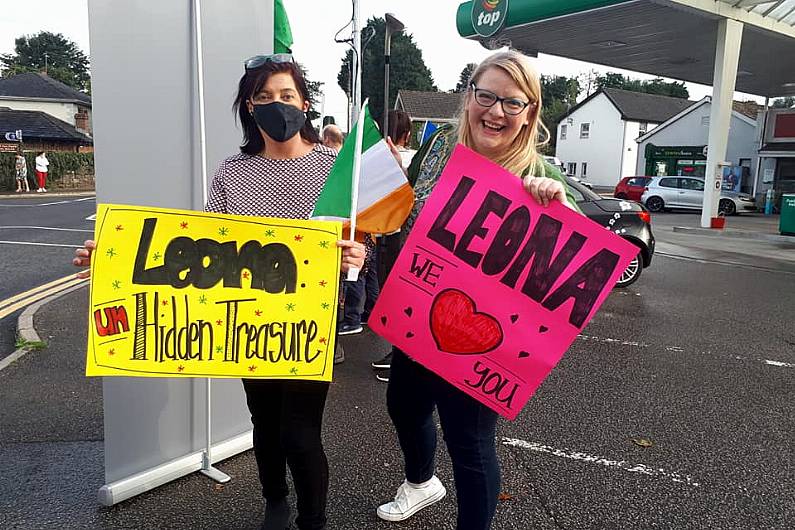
(668, 38)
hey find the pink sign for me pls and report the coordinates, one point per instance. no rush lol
(491, 289)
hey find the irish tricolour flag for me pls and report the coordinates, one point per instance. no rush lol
(384, 195)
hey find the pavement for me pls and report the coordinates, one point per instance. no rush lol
(51, 432)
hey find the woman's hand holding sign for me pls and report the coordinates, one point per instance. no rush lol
(545, 190)
(83, 258)
(352, 255)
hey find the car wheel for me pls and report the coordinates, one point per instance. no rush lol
(632, 272)
(655, 204)
(621, 196)
(727, 207)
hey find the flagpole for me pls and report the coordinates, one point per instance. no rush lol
(207, 464)
(353, 273)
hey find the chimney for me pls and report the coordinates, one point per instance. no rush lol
(81, 122)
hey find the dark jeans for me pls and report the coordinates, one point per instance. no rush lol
(287, 418)
(360, 296)
(469, 430)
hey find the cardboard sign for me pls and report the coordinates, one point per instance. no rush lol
(177, 293)
(491, 289)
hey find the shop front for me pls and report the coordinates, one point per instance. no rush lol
(682, 161)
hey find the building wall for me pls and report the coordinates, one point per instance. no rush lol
(629, 157)
(602, 150)
(63, 111)
(693, 130)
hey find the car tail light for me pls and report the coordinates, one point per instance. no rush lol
(645, 217)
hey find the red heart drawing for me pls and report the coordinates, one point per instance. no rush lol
(458, 328)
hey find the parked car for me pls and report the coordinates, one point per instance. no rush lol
(555, 161)
(631, 188)
(630, 220)
(662, 193)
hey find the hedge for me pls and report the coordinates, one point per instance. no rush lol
(60, 164)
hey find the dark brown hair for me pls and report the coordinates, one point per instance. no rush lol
(250, 84)
(399, 125)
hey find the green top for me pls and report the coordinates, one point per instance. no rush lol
(429, 162)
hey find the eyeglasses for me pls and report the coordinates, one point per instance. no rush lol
(259, 60)
(511, 106)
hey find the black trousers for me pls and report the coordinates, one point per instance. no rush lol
(287, 418)
(469, 429)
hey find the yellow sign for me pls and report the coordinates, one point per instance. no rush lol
(178, 293)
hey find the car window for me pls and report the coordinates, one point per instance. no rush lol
(692, 184)
(638, 181)
(669, 183)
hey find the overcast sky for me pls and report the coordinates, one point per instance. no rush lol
(314, 24)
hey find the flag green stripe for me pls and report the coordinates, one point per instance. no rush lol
(335, 199)
(282, 35)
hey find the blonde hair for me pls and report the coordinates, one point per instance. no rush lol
(523, 152)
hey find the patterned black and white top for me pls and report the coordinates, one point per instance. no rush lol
(267, 187)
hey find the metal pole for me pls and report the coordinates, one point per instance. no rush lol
(391, 25)
(207, 467)
(357, 73)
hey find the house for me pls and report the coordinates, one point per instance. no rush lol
(678, 146)
(777, 153)
(596, 138)
(429, 110)
(42, 132)
(34, 91)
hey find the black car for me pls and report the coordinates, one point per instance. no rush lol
(629, 219)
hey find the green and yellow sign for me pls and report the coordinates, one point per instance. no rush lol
(177, 293)
(488, 16)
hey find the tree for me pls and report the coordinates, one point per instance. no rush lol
(407, 69)
(784, 103)
(315, 94)
(558, 95)
(60, 57)
(463, 79)
(657, 85)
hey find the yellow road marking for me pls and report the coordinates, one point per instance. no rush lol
(29, 292)
(38, 293)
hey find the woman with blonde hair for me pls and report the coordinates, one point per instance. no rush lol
(499, 119)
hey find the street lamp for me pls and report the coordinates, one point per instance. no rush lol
(393, 25)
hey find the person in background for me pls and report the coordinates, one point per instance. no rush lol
(21, 171)
(42, 165)
(332, 137)
(400, 135)
(500, 120)
(280, 172)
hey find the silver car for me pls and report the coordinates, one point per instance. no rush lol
(663, 193)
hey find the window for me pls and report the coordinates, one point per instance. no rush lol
(691, 184)
(669, 183)
(643, 127)
(584, 169)
(563, 130)
(638, 181)
(585, 131)
(572, 168)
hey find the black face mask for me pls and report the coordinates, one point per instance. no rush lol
(279, 121)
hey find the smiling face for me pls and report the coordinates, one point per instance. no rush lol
(492, 130)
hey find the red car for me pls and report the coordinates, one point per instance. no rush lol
(631, 188)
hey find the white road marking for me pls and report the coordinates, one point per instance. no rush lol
(92, 217)
(678, 349)
(92, 198)
(38, 244)
(49, 228)
(592, 459)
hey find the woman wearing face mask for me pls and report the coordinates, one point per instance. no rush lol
(499, 120)
(279, 172)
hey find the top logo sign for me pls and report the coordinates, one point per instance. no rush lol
(488, 16)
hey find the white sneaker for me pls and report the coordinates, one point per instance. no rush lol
(412, 498)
